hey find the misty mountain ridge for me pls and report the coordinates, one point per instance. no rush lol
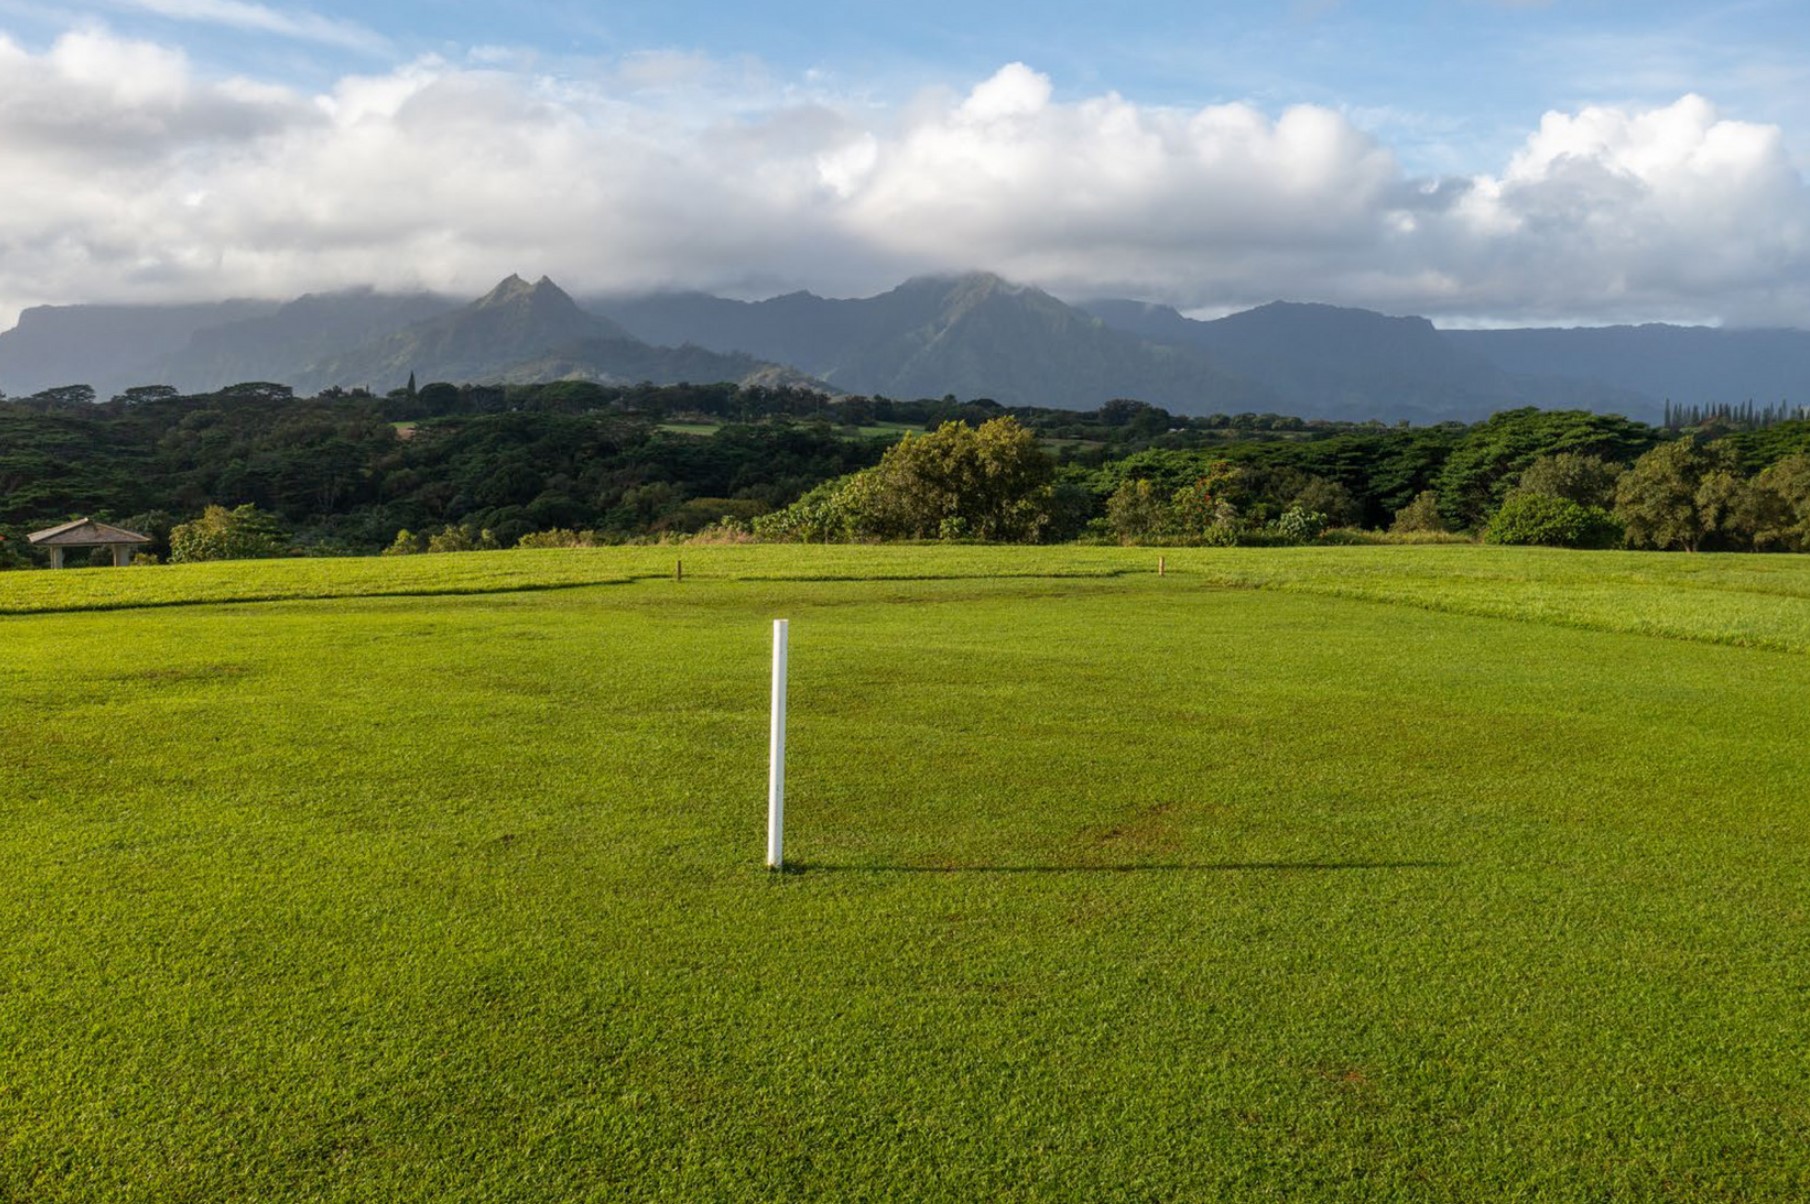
(284, 345)
(1328, 361)
(1690, 365)
(108, 346)
(521, 333)
(513, 322)
(970, 335)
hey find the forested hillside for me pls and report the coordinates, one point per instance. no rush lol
(345, 472)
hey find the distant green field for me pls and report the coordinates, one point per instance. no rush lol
(1338, 873)
(878, 430)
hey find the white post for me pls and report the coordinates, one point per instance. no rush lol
(776, 762)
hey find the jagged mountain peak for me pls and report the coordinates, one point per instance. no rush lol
(961, 284)
(942, 302)
(513, 290)
(507, 288)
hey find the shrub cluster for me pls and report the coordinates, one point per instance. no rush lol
(242, 533)
(1227, 504)
(991, 482)
(1553, 522)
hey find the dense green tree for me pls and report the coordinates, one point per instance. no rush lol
(139, 394)
(1328, 498)
(1137, 510)
(994, 478)
(1758, 449)
(1493, 455)
(63, 397)
(1211, 507)
(242, 533)
(1586, 480)
(1136, 417)
(1680, 495)
(1779, 506)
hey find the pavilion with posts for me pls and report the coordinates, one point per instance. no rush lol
(86, 533)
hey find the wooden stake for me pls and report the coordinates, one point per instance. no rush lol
(678, 570)
(1162, 566)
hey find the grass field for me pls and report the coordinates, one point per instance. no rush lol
(872, 430)
(1342, 873)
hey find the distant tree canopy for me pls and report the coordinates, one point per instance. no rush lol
(347, 471)
(1493, 455)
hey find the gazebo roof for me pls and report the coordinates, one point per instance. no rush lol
(84, 533)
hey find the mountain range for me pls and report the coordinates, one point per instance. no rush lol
(970, 336)
(973, 335)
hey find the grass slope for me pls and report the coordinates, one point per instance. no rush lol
(1113, 886)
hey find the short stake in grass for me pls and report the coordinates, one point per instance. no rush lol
(776, 754)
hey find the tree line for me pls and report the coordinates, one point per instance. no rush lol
(1564, 478)
(453, 466)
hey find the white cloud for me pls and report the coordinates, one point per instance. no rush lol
(1644, 213)
(132, 176)
(261, 18)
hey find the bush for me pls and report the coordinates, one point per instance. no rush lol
(1554, 522)
(1136, 510)
(701, 512)
(1298, 525)
(463, 539)
(406, 543)
(1421, 514)
(1358, 537)
(558, 537)
(1207, 510)
(728, 529)
(830, 512)
(243, 533)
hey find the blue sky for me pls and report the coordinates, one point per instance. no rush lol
(1456, 79)
(1453, 93)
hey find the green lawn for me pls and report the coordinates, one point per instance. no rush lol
(1345, 873)
(873, 430)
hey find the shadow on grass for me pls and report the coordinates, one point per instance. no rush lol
(354, 595)
(1209, 867)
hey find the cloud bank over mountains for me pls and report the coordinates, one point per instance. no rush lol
(132, 176)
